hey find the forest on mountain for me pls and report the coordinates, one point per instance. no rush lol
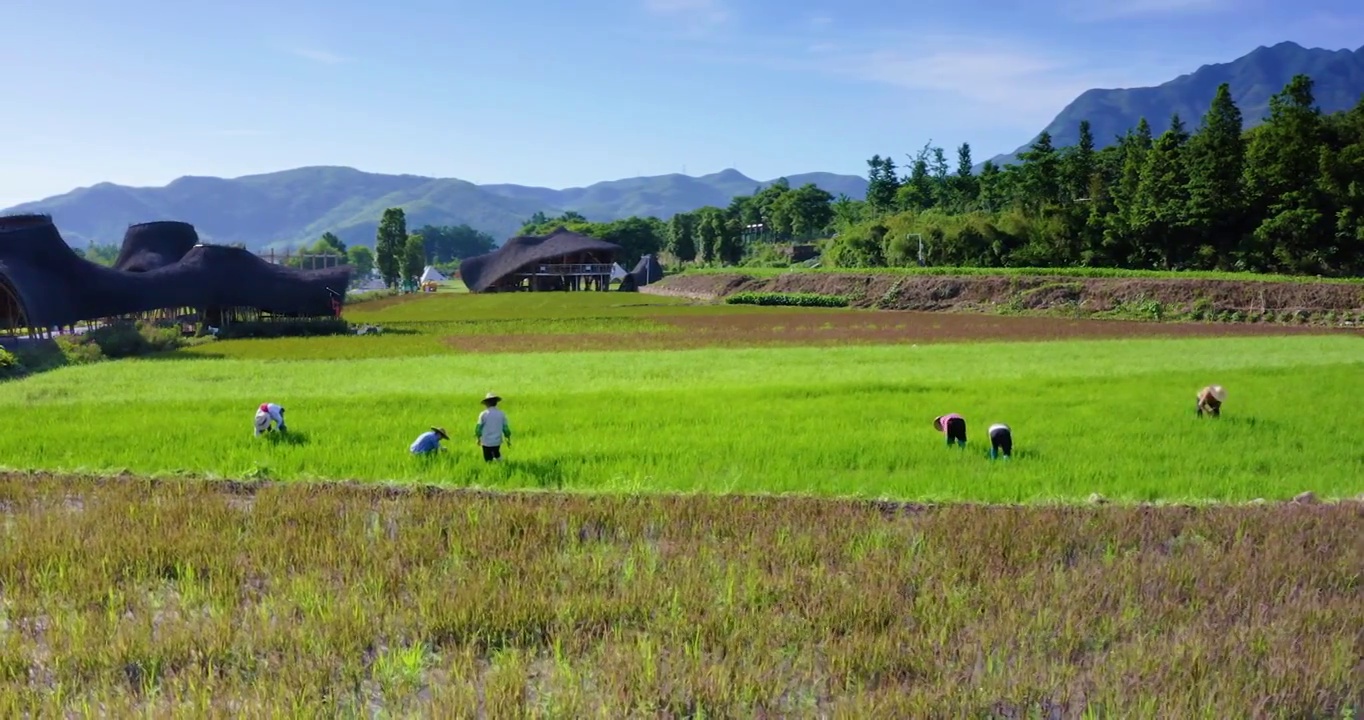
(1285, 197)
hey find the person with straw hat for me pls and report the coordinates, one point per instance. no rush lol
(268, 414)
(953, 426)
(492, 429)
(1210, 400)
(429, 441)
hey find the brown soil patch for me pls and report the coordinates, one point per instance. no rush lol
(1035, 292)
(858, 327)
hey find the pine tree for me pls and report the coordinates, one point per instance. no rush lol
(1216, 162)
(389, 244)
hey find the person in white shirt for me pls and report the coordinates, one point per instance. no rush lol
(269, 414)
(492, 429)
(1001, 441)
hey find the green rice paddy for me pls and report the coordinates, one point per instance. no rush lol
(1109, 417)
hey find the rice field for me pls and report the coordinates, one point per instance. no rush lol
(651, 569)
(1112, 417)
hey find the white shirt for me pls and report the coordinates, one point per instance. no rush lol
(272, 412)
(491, 422)
(996, 426)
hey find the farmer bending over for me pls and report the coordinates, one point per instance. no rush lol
(492, 428)
(1210, 400)
(429, 441)
(953, 426)
(269, 414)
(1001, 441)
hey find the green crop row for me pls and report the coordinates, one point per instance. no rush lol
(787, 299)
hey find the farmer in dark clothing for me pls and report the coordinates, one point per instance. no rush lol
(1001, 441)
(953, 426)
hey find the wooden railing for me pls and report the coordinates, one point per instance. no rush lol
(570, 269)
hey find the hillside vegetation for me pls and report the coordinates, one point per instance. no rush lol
(297, 206)
(1254, 78)
(1285, 197)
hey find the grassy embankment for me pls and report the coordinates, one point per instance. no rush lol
(1075, 272)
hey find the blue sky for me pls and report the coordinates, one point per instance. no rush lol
(140, 92)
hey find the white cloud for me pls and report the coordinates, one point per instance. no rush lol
(316, 55)
(1013, 83)
(694, 14)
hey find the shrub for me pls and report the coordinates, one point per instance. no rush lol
(300, 327)
(128, 339)
(78, 350)
(9, 364)
(791, 299)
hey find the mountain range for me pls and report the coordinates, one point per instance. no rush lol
(296, 206)
(1338, 76)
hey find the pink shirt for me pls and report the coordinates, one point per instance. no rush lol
(947, 417)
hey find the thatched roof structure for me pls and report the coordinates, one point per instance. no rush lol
(647, 271)
(483, 271)
(152, 245)
(54, 286)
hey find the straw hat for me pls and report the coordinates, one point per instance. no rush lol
(1218, 392)
(491, 398)
(937, 423)
(440, 432)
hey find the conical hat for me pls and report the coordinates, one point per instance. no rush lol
(1219, 393)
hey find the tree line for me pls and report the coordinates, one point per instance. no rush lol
(1286, 196)
(710, 235)
(399, 255)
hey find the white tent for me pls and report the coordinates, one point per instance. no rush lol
(430, 274)
(617, 272)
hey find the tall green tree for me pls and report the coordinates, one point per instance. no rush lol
(1216, 162)
(362, 259)
(333, 242)
(1161, 206)
(883, 183)
(414, 257)
(389, 245)
(967, 188)
(682, 236)
(1041, 173)
(918, 192)
(1078, 164)
(729, 247)
(447, 243)
(1283, 168)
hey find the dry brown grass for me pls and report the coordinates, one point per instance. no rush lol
(324, 600)
(855, 327)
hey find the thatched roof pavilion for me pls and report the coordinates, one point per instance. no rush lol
(45, 284)
(561, 260)
(152, 245)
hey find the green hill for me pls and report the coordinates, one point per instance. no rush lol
(1338, 76)
(296, 206)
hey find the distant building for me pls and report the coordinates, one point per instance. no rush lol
(561, 260)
